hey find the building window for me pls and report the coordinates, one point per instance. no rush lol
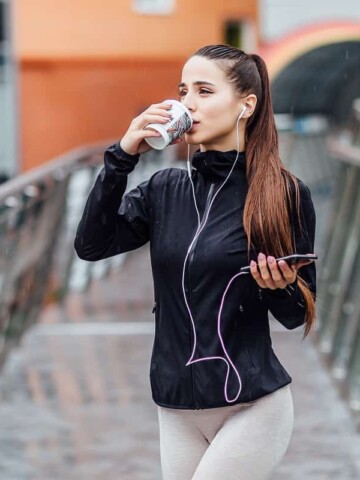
(154, 7)
(2, 22)
(3, 33)
(240, 34)
(233, 35)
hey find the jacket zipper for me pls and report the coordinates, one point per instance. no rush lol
(191, 258)
(208, 200)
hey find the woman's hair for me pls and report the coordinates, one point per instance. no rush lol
(268, 207)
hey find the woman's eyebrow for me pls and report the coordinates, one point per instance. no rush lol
(198, 82)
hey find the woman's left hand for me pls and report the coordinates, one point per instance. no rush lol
(272, 274)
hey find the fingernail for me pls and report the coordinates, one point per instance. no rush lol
(261, 256)
(271, 259)
(252, 263)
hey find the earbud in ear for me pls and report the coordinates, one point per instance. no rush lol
(242, 112)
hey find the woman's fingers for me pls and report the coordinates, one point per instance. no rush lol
(133, 140)
(144, 119)
(156, 113)
(272, 274)
(289, 273)
(261, 273)
(265, 272)
(162, 105)
(269, 273)
(256, 274)
(149, 132)
(277, 276)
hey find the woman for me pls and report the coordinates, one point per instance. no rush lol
(224, 401)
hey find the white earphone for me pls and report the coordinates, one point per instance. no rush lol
(242, 112)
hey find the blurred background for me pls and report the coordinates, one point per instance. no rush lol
(76, 337)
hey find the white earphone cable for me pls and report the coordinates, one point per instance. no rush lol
(200, 228)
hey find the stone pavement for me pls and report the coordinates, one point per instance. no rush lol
(75, 400)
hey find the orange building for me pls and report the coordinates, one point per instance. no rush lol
(86, 68)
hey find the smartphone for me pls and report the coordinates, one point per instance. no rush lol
(289, 259)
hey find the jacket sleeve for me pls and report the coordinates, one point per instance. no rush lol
(287, 305)
(114, 222)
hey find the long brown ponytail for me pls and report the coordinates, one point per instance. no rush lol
(268, 204)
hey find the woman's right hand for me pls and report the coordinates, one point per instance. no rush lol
(133, 141)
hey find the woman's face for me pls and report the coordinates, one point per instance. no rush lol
(213, 102)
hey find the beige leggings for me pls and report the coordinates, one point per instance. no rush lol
(238, 442)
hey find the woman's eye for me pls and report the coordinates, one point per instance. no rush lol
(202, 91)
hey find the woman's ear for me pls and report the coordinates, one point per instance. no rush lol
(250, 104)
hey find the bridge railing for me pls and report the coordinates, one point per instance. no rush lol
(338, 335)
(39, 214)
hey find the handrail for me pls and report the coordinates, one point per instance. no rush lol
(338, 337)
(76, 158)
(343, 151)
(39, 214)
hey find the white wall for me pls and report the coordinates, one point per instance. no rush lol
(8, 106)
(280, 17)
(8, 155)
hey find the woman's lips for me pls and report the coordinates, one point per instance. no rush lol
(193, 126)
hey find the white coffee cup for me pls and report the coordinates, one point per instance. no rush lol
(181, 122)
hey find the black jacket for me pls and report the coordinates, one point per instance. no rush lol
(161, 210)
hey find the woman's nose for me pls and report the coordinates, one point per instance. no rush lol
(189, 106)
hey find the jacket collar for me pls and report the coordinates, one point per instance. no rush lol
(217, 164)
